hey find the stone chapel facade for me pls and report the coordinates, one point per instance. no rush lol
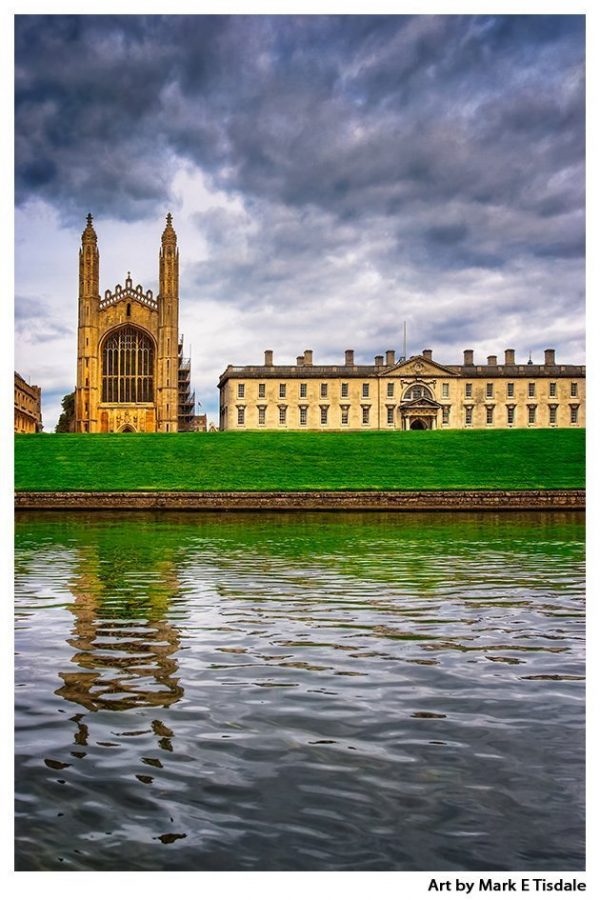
(131, 375)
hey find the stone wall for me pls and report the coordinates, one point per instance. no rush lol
(400, 501)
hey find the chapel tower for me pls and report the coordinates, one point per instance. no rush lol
(127, 345)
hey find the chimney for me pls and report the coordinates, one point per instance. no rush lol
(509, 357)
(379, 361)
(492, 360)
(308, 358)
(549, 358)
(268, 357)
(390, 357)
(349, 358)
(468, 358)
(299, 360)
(428, 354)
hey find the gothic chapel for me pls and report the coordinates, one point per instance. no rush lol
(131, 374)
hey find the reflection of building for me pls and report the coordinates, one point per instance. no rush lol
(124, 644)
(416, 393)
(131, 375)
(28, 406)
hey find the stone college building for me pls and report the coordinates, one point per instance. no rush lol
(407, 394)
(131, 373)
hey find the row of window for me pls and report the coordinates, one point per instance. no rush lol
(416, 392)
(390, 411)
(531, 414)
(303, 415)
(303, 392)
(531, 389)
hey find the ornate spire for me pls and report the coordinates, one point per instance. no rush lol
(169, 262)
(168, 235)
(89, 235)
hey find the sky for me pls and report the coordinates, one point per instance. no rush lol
(330, 177)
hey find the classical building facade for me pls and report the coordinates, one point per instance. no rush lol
(403, 394)
(131, 373)
(28, 406)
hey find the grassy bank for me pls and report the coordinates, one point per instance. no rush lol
(301, 461)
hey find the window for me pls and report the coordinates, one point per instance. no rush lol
(262, 414)
(365, 390)
(445, 390)
(303, 415)
(552, 414)
(468, 390)
(282, 391)
(241, 415)
(128, 367)
(303, 390)
(510, 415)
(445, 415)
(510, 389)
(366, 410)
(390, 415)
(344, 388)
(282, 415)
(241, 391)
(552, 389)
(323, 390)
(262, 390)
(531, 389)
(574, 389)
(324, 413)
(489, 389)
(417, 391)
(390, 389)
(574, 415)
(531, 414)
(345, 410)
(489, 415)
(468, 415)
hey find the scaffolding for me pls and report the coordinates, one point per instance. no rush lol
(186, 402)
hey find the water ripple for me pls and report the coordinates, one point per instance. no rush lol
(299, 692)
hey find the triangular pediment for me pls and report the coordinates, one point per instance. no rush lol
(421, 402)
(418, 366)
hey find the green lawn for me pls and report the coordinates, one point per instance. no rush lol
(292, 461)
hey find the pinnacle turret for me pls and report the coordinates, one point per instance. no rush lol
(89, 235)
(169, 235)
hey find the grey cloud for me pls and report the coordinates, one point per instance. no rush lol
(378, 164)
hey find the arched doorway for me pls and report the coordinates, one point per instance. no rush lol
(127, 428)
(418, 425)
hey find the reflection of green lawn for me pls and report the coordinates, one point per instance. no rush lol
(503, 459)
(380, 546)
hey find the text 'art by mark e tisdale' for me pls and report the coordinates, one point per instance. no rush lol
(507, 885)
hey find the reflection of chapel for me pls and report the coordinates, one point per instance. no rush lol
(131, 374)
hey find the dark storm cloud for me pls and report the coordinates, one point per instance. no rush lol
(355, 114)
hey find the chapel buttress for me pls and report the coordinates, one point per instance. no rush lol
(128, 346)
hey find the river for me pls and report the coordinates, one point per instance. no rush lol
(300, 691)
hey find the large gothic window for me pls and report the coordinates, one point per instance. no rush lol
(417, 392)
(127, 367)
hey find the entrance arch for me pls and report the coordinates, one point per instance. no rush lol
(418, 425)
(127, 428)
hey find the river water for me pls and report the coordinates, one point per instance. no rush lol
(299, 692)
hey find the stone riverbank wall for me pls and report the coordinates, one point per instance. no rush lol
(270, 501)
